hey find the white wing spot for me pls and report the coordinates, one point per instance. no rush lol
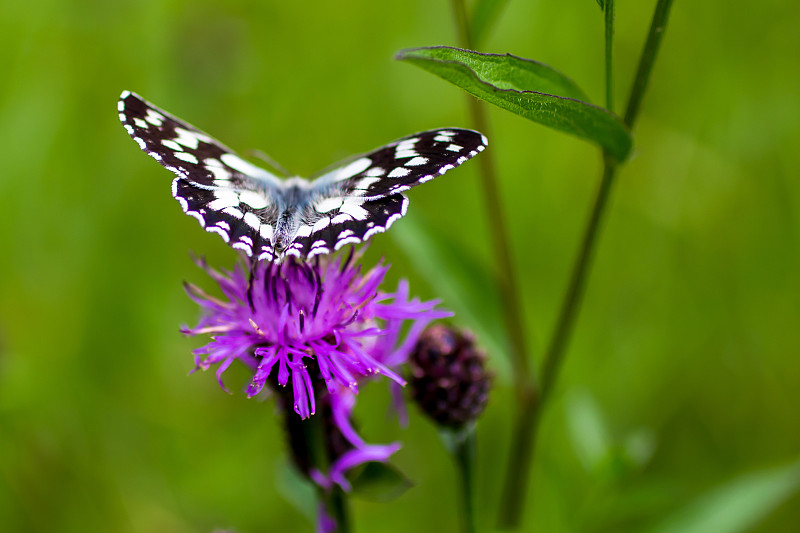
(237, 163)
(454, 148)
(359, 165)
(328, 204)
(405, 146)
(375, 172)
(445, 169)
(224, 198)
(128, 128)
(373, 231)
(155, 118)
(221, 175)
(189, 139)
(340, 218)
(220, 231)
(186, 156)
(252, 220)
(354, 210)
(172, 145)
(321, 224)
(347, 240)
(266, 232)
(461, 160)
(253, 199)
(423, 179)
(303, 231)
(417, 161)
(139, 122)
(243, 246)
(233, 212)
(400, 154)
(365, 183)
(399, 172)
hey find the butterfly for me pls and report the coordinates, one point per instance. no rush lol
(268, 217)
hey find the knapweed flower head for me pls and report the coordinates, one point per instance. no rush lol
(306, 322)
(449, 378)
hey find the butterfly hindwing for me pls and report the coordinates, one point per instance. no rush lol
(328, 231)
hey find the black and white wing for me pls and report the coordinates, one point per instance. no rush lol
(226, 194)
(355, 201)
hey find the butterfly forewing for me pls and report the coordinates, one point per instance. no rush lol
(228, 195)
(406, 163)
(251, 209)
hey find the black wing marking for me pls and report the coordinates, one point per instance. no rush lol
(355, 221)
(226, 194)
(403, 164)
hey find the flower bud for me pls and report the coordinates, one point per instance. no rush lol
(449, 379)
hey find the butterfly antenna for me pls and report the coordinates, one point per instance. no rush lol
(271, 162)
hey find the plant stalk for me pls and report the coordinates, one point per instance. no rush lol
(527, 423)
(646, 61)
(336, 505)
(464, 455)
(608, 12)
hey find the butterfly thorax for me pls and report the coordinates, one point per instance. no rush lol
(292, 206)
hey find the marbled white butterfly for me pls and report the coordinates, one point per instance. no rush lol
(268, 217)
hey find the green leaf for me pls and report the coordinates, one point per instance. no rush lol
(483, 18)
(601, 3)
(297, 490)
(737, 505)
(529, 89)
(379, 482)
(464, 286)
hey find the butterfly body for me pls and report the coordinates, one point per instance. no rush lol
(269, 218)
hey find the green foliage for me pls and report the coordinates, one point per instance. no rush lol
(689, 327)
(527, 88)
(484, 16)
(735, 506)
(379, 482)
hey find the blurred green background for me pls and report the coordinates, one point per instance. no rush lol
(683, 374)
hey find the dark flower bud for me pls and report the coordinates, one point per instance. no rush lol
(449, 379)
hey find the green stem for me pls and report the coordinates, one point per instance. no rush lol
(527, 423)
(336, 505)
(608, 11)
(647, 60)
(572, 299)
(464, 455)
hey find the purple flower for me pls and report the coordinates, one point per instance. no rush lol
(356, 452)
(313, 321)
